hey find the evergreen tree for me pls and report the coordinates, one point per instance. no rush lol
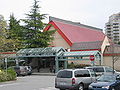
(2, 32)
(15, 32)
(5, 43)
(34, 37)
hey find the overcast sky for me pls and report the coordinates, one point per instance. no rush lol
(90, 12)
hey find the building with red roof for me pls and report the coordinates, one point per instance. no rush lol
(79, 37)
(75, 36)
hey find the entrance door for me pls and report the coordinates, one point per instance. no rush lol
(46, 64)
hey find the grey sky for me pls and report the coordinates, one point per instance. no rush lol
(89, 12)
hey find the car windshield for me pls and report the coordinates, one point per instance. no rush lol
(82, 73)
(107, 78)
(64, 74)
(98, 69)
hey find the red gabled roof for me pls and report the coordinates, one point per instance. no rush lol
(73, 34)
(7, 52)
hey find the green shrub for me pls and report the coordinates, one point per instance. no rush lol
(81, 65)
(7, 76)
(77, 65)
(11, 74)
(3, 76)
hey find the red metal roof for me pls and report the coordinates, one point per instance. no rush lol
(7, 52)
(73, 33)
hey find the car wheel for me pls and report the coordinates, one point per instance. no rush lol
(112, 88)
(81, 87)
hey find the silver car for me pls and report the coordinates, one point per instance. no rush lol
(99, 70)
(20, 70)
(77, 79)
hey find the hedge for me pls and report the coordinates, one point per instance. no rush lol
(7, 76)
(71, 65)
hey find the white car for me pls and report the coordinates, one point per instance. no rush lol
(99, 70)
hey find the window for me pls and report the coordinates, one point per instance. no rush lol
(64, 74)
(92, 73)
(82, 73)
(98, 69)
(108, 69)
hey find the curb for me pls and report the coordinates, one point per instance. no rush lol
(44, 74)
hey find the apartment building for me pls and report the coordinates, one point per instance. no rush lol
(112, 28)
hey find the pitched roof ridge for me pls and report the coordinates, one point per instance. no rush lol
(73, 23)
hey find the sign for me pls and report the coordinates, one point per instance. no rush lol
(5, 60)
(92, 58)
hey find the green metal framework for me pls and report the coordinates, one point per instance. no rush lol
(59, 53)
(79, 55)
(40, 52)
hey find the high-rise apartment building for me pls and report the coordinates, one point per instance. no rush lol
(112, 27)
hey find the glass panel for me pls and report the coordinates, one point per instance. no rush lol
(82, 73)
(108, 69)
(64, 74)
(98, 69)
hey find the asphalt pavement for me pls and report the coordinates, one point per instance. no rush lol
(33, 82)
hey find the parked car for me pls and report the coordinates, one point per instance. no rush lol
(20, 70)
(99, 70)
(77, 79)
(29, 70)
(106, 82)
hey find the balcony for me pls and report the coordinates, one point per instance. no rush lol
(116, 35)
(116, 23)
(116, 26)
(108, 29)
(114, 29)
(116, 32)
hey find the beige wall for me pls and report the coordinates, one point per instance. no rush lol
(58, 40)
(88, 62)
(104, 44)
(108, 62)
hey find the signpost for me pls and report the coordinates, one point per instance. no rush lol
(92, 58)
(6, 64)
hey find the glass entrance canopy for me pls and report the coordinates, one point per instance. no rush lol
(40, 52)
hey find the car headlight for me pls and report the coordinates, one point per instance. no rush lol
(107, 87)
(90, 86)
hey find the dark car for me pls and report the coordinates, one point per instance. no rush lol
(106, 82)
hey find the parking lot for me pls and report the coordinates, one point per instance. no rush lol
(33, 82)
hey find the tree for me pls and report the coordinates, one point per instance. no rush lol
(9, 36)
(34, 37)
(4, 42)
(15, 32)
(2, 32)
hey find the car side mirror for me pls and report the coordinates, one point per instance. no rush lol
(118, 77)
